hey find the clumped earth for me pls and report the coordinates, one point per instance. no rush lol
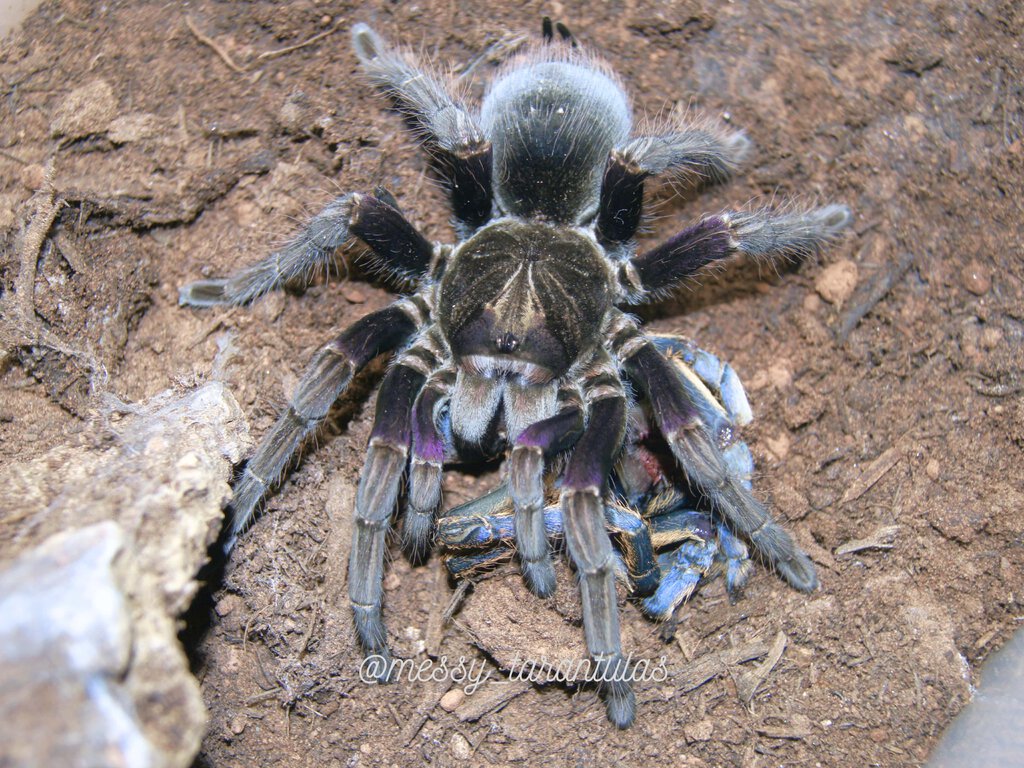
(186, 140)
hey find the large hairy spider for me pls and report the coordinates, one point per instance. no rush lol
(512, 340)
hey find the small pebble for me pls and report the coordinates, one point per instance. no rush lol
(990, 338)
(779, 445)
(32, 177)
(325, 20)
(779, 375)
(976, 278)
(836, 282)
(811, 302)
(227, 604)
(699, 731)
(353, 295)
(392, 582)
(932, 469)
(460, 747)
(237, 725)
(451, 700)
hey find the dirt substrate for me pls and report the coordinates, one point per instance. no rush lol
(886, 379)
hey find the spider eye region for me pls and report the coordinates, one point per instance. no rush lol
(524, 298)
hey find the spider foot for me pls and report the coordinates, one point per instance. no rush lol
(617, 691)
(539, 576)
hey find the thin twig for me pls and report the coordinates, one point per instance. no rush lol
(12, 158)
(44, 212)
(288, 49)
(866, 299)
(213, 44)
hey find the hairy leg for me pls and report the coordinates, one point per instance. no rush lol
(536, 443)
(376, 498)
(678, 419)
(591, 550)
(761, 234)
(399, 249)
(697, 149)
(325, 379)
(450, 129)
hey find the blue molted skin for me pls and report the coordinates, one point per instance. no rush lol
(734, 397)
(619, 518)
(709, 368)
(640, 539)
(719, 377)
(682, 572)
(458, 532)
(741, 462)
(487, 523)
(738, 565)
(696, 523)
(460, 564)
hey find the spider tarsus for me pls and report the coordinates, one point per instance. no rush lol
(799, 572)
(203, 293)
(617, 691)
(539, 576)
(416, 535)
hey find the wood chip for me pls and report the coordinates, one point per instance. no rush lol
(491, 698)
(748, 680)
(711, 665)
(875, 471)
(883, 538)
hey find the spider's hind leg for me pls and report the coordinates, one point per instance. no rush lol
(695, 149)
(450, 129)
(399, 247)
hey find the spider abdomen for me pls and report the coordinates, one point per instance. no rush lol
(552, 124)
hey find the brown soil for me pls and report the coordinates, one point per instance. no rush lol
(173, 165)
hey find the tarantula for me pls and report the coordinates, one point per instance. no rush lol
(513, 339)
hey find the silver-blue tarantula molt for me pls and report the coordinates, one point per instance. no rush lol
(513, 341)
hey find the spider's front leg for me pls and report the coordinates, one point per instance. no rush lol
(591, 549)
(398, 246)
(538, 442)
(325, 379)
(376, 497)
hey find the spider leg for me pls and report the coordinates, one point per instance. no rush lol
(376, 498)
(761, 234)
(696, 149)
(537, 442)
(634, 539)
(396, 243)
(488, 523)
(684, 569)
(679, 420)
(426, 470)
(590, 546)
(326, 377)
(464, 151)
(718, 376)
(736, 559)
